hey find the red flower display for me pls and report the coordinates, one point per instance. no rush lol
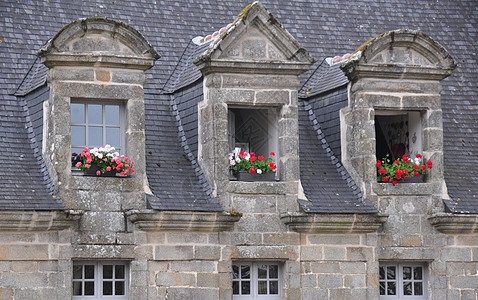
(401, 168)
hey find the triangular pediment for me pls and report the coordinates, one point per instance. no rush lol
(255, 40)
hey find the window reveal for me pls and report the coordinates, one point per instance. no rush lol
(253, 130)
(96, 124)
(100, 279)
(401, 280)
(256, 280)
(398, 134)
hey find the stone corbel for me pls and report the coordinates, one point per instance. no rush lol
(333, 223)
(455, 223)
(38, 220)
(152, 220)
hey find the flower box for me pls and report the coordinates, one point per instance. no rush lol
(93, 169)
(246, 176)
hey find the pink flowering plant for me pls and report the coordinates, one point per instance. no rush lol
(249, 162)
(105, 159)
(401, 168)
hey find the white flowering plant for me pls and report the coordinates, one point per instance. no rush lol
(249, 162)
(104, 159)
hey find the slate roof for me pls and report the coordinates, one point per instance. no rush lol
(324, 28)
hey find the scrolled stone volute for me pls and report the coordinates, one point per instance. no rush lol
(401, 54)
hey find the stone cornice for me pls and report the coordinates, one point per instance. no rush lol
(455, 223)
(333, 223)
(38, 220)
(152, 220)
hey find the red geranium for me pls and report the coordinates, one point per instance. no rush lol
(401, 168)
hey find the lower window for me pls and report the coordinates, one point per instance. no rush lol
(100, 280)
(253, 280)
(402, 280)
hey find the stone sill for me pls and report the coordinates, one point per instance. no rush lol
(152, 220)
(455, 223)
(259, 187)
(38, 220)
(406, 189)
(333, 223)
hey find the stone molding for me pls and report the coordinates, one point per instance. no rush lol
(151, 220)
(256, 22)
(333, 223)
(455, 223)
(417, 56)
(98, 41)
(38, 220)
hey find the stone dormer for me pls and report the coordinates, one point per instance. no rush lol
(96, 77)
(250, 74)
(394, 107)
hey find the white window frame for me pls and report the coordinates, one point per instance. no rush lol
(98, 280)
(415, 129)
(254, 279)
(103, 103)
(399, 281)
(272, 131)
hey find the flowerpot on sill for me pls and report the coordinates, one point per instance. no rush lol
(246, 176)
(92, 172)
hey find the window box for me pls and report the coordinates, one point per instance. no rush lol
(93, 169)
(246, 176)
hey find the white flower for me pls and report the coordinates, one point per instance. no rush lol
(417, 161)
(259, 171)
(238, 159)
(100, 155)
(232, 162)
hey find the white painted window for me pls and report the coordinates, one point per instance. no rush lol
(256, 280)
(100, 280)
(402, 281)
(96, 124)
(398, 133)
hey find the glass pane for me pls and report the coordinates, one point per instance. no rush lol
(417, 273)
(119, 288)
(418, 288)
(382, 288)
(89, 271)
(407, 273)
(107, 288)
(235, 287)
(77, 288)
(407, 288)
(391, 288)
(89, 288)
(77, 272)
(95, 114)
(381, 273)
(262, 287)
(95, 136)
(235, 272)
(390, 272)
(262, 271)
(77, 113)
(78, 135)
(119, 272)
(245, 288)
(245, 271)
(112, 136)
(273, 287)
(112, 114)
(108, 271)
(273, 271)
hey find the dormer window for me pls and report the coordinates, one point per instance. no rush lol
(95, 124)
(253, 130)
(398, 133)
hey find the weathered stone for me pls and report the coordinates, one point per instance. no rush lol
(166, 252)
